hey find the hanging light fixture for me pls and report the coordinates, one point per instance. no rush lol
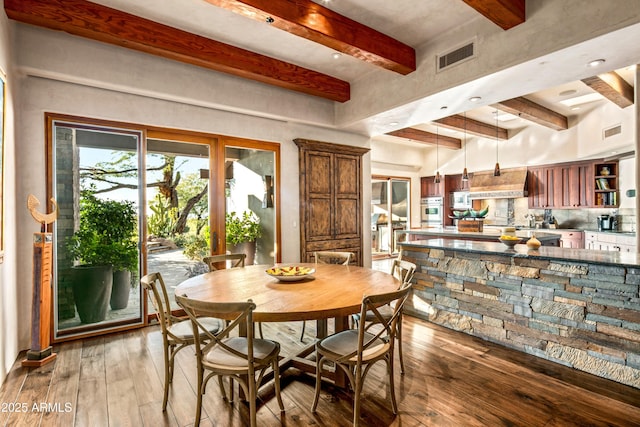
(437, 178)
(496, 170)
(465, 174)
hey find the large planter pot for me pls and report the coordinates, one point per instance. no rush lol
(92, 291)
(120, 290)
(247, 248)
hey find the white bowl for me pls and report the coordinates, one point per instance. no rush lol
(292, 273)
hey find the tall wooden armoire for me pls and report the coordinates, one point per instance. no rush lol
(330, 198)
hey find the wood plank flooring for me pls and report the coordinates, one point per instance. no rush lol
(452, 379)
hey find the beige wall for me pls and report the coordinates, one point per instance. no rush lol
(14, 305)
(65, 74)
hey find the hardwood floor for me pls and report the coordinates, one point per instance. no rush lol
(452, 379)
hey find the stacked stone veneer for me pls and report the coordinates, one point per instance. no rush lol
(586, 316)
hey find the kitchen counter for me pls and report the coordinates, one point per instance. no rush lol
(487, 235)
(552, 302)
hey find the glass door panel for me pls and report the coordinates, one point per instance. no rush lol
(178, 220)
(96, 258)
(389, 209)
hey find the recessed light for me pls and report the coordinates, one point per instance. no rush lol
(393, 123)
(575, 108)
(475, 99)
(336, 55)
(567, 92)
(596, 62)
(579, 100)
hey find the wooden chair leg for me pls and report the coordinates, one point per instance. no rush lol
(304, 323)
(316, 397)
(167, 378)
(399, 337)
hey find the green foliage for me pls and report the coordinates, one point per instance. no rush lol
(195, 247)
(107, 234)
(163, 219)
(242, 229)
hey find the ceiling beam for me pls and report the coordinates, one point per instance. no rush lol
(319, 24)
(533, 112)
(613, 87)
(474, 127)
(504, 13)
(427, 138)
(104, 24)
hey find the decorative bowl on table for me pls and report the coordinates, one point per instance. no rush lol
(291, 273)
(510, 241)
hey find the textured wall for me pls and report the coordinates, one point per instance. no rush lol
(586, 316)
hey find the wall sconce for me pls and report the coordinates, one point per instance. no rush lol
(267, 201)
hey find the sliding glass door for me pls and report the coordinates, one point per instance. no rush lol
(390, 206)
(135, 200)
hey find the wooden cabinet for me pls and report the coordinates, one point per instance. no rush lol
(330, 198)
(572, 239)
(561, 186)
(429, 188)
(606, 184)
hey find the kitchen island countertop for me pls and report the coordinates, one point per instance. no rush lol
(488, 234)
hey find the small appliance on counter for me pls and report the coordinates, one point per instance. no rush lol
(608, 222)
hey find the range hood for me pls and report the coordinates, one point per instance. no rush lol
(510, 184)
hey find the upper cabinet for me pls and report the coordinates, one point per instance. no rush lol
(572, 185)
(429, 188)
(605, 184)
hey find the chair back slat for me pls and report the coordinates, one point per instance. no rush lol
(332, 257)
(403, 270)
(154, 284)
(213, 261)
(238, 313)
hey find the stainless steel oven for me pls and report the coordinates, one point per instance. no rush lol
(432, 212)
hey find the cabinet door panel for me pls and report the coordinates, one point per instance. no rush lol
(319, 219)
(318, 170)
(346, 175)
(347, 222)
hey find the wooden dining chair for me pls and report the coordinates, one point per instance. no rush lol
(236, 260)
(176, 333)
(356, 350)
(403, 271)
(237, 357)
(328, 257)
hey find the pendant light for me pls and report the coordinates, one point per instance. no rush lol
(496, 170)
(465, 174)
(437, 178)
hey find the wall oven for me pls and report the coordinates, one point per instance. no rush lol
(432, 212)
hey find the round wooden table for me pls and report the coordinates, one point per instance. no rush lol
(333, 291)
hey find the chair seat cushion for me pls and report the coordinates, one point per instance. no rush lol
(222, 358)
(184, 330)
(346, 342)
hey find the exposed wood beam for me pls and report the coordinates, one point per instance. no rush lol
(104, 24)
(504, 13)
(613, 87)
(315, 22)
(474, 127)
(533, 112)
(427, 138)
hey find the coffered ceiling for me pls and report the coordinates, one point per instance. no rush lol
(322, 47)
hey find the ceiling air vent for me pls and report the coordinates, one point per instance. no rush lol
(612, 131)
(462, 53)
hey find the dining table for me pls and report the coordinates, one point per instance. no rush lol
(331, 291)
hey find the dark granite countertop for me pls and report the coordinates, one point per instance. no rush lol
(487, 234)
(622, 259)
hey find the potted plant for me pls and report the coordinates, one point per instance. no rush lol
(242, 232)
(104, 245)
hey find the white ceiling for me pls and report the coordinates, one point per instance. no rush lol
(413, 22)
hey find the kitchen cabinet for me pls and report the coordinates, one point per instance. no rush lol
(561, 186)
(572, 239)
(606, 184)
(606, 241)
(330, 198)
(429, 188)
